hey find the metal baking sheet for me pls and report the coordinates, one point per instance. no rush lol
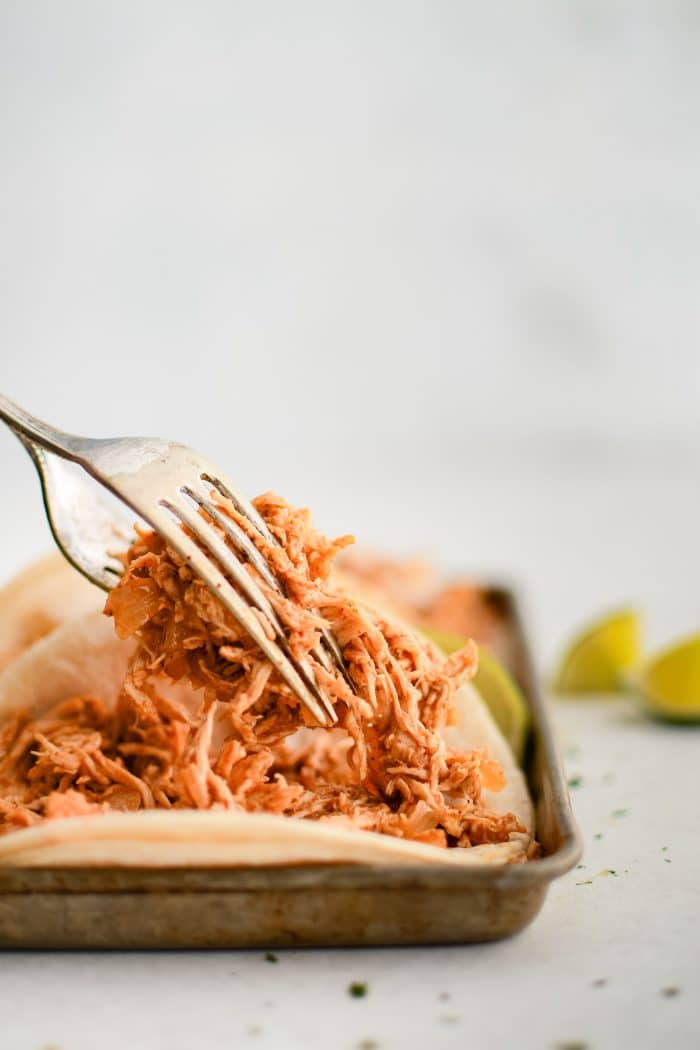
(313, 904)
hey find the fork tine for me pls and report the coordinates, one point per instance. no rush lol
(220, 587)
(236, 534)
(329, 651)
(219, 549)
(241, 503)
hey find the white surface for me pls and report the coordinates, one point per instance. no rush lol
(468, 220)
(640, 930)
(432, 269)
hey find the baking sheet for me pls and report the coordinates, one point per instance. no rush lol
(314, 904)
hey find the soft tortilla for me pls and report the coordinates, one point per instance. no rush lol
(45, 594)
(84, 656)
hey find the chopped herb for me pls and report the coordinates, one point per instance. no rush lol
(271, 957)
(598, 835)
(666, 860)
(368, 1044)
(358, 989)
(580, 867)
(600, 982)
(617, 813)
(575, 782)
(586, 882)
(604, 873)
(671, 992)
(664, 849)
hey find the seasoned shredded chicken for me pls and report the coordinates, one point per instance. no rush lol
(204, 721)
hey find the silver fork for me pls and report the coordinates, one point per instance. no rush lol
(167, 485)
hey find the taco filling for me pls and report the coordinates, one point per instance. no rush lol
(202, 720)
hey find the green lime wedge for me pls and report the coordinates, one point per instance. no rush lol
(670, 682)
(497, 688)
(600, 659)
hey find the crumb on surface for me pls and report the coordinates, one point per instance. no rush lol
(357, 989)
(271, 957)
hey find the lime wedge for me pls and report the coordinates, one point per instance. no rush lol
(670, 682)
(600, 659)
(449, 643)
(499, 691)
(497, 688)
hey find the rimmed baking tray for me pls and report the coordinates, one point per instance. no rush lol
(314, 904)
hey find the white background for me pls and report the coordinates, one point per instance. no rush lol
(430, 268)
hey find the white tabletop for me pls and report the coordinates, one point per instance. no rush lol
(611, 962)
(638, 931)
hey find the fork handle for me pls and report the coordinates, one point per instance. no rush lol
(28, 426)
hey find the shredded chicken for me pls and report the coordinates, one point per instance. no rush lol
(418, 594)
(204, 721)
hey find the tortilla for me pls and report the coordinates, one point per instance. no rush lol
(84, 657)
(35, 601)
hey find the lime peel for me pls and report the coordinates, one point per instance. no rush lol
(669, 682)
(601, 658)
(496, 687)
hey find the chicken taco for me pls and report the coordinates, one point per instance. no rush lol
(154, 732)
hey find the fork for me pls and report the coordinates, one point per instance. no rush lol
(169, 486)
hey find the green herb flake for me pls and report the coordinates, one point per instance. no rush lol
(357, 990)
(586, 882)
(617, 813)
(598, 835)
(271, 957)
(666, 860)
(580, 867)
(664, 849)
(575, 782)
(604, 873)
